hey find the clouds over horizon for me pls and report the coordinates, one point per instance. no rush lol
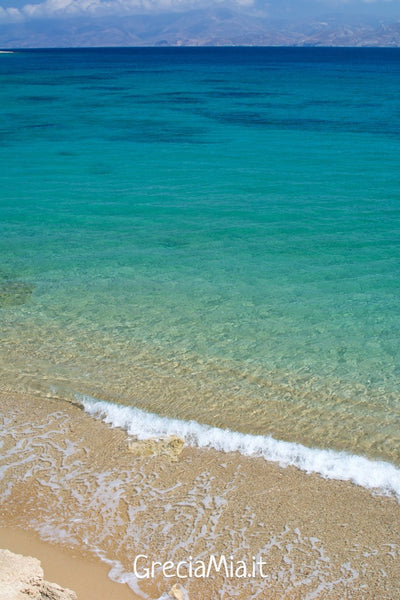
(59, 9)
(64, 9)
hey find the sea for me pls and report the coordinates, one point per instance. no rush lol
(204, 243)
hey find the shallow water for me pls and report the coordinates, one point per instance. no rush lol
(208, 234)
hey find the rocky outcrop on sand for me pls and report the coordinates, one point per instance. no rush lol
(21, 578)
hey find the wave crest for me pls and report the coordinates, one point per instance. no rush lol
(330, 464)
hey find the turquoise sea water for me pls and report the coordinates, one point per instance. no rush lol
(207, 233)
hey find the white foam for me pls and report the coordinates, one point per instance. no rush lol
(370, 474)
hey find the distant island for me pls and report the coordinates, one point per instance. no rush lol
(215, 26)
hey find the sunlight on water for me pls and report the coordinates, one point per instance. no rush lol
(210, 235)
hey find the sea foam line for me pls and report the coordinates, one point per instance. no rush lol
(331, 464)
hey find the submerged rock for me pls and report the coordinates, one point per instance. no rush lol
(171, 447)
(175, 593)
(21, 578)
(14, 293)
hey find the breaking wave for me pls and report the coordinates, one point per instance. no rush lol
(331, 464)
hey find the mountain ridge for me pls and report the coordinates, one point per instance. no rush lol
(202, 27)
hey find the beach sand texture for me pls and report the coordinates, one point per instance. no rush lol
(74, 481)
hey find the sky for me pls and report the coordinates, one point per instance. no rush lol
(12, 11)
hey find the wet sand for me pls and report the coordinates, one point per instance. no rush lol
(77, 482)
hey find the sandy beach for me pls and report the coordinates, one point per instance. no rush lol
(86, 489)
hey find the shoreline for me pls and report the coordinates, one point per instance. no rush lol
(91, 488)
(376, 475)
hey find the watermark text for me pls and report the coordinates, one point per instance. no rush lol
(144, 568)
